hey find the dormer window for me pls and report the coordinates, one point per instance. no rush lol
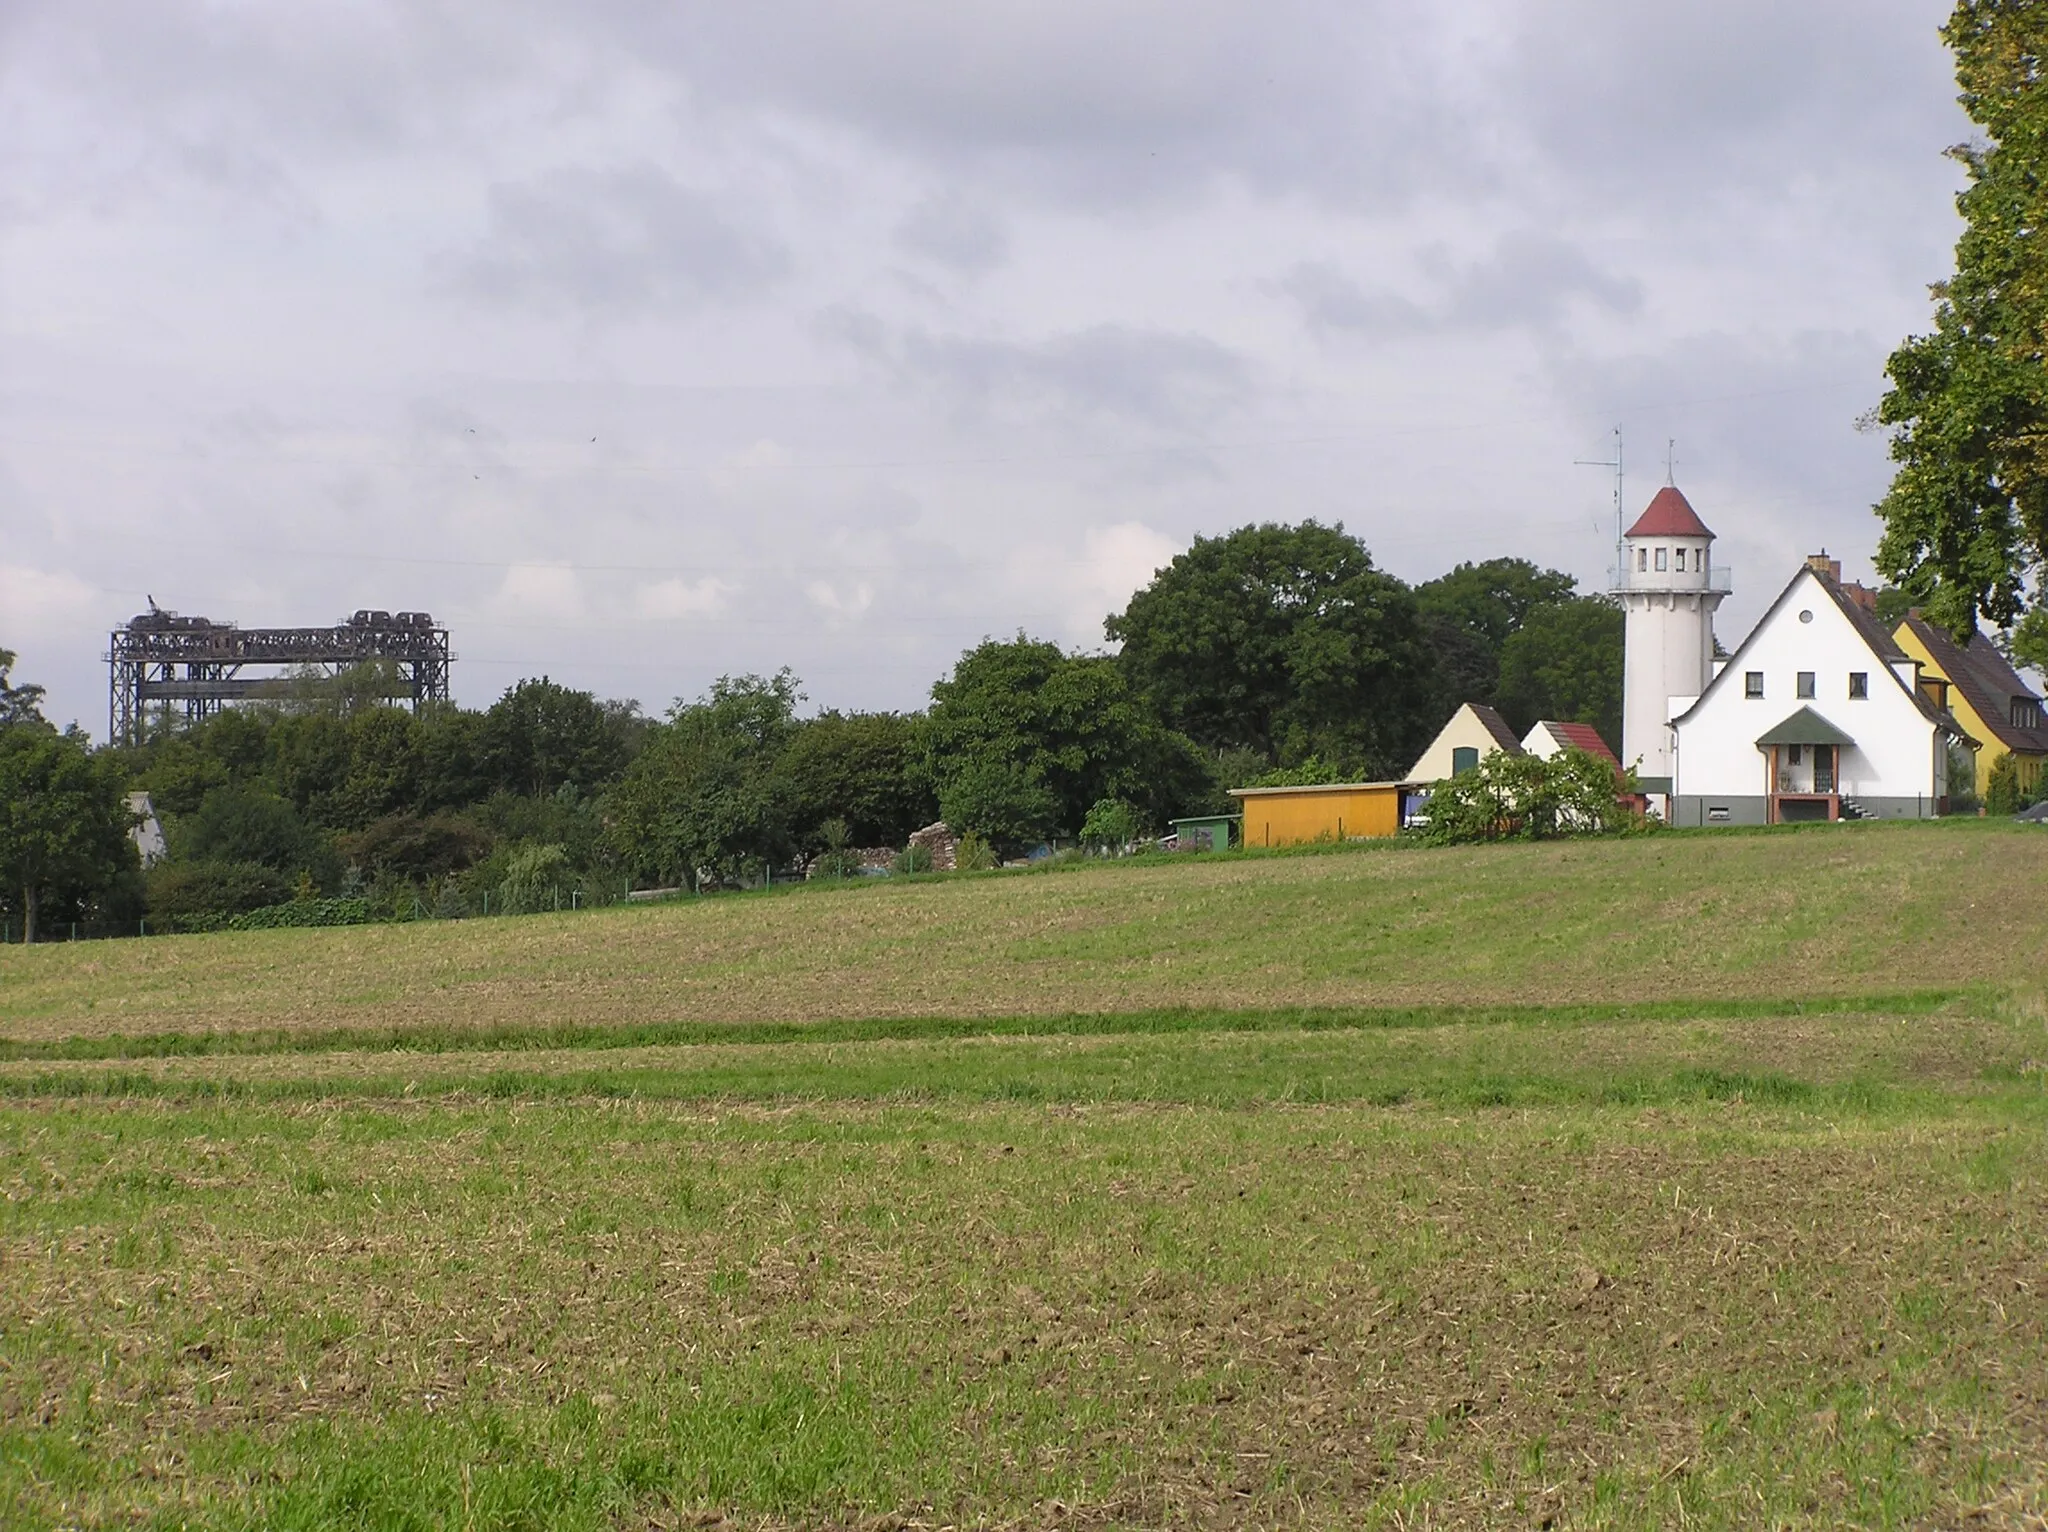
(2026, 713)
(1663, 559)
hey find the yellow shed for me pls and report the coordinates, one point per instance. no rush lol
(1287, 816)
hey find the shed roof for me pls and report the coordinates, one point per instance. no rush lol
(1669, 514)
(1318, 787)
(1497, 726)
(1805, 727)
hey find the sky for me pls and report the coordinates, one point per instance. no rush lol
(644, 343)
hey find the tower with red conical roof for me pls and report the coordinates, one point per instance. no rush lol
(1669, 589)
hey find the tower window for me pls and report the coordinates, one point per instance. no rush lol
(1805, 684)
(1643, 560)
(1681, 561)
(1752, 683)
(1859, 684)
(1663, 558)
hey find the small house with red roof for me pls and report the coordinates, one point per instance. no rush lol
(1551, 736)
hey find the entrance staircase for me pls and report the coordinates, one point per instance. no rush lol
(1851, 809)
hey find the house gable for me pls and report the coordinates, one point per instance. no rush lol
(1475, 727)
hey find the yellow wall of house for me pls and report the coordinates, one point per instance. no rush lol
(1321, 813)
(1973, 723)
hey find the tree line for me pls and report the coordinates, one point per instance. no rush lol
(1275, 652)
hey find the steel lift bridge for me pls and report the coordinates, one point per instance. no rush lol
(161, 665)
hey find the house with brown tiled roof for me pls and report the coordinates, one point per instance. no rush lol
(1986, 695)
(1551, 736)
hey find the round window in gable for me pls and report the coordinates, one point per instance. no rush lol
(1806, 617)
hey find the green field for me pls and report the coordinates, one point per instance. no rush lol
(1684, 1180)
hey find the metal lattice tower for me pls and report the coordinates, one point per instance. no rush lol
(161, 665)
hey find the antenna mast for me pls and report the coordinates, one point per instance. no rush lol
(1615, 462)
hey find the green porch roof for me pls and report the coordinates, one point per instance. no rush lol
(1805, 727)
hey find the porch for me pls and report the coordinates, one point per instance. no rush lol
(1803, 768)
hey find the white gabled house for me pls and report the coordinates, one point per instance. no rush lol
(1817, 715)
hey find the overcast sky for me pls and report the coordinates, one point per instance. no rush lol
(644, 342)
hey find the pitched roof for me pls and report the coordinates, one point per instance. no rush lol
(1987, 682)
(1580, 736)
(1669, 514)
(1805, 727)
(1882, 646)
(1497, 726)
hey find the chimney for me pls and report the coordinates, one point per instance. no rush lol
(1861, 595)
(1820, 563)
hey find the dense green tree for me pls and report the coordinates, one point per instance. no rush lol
(1966, 518)
(386, 767)
(1285, 640)
(866, 770)
(1491, 600)
(1023, 739)
(541, 734)
(254, 826)
(418, 848)
(64, 821)
(1565, 662)
(1527, 797)
(704, 795)
(452, 750)
(307, 763)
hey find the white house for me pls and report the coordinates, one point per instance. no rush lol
(145, 831)
(1817, 715)
(1474, 732)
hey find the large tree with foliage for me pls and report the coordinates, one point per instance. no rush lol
(541, 734)
(1285, 640)
(1471, 613)
(704, 795)
(1025, 738)
(1966, 519)
(64, 823)
(1565, 662)
(866, 770)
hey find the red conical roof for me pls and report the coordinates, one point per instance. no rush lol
(1669, 515)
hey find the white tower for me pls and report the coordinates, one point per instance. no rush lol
(1669, 588)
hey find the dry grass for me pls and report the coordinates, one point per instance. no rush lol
(1859, 910)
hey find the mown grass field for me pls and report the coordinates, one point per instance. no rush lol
(1695, 1180)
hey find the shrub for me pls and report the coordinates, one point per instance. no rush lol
(1525, 797)
(204, 896)
(974, 854)
(912, 859)
(1111, 826)
(2003, 795)
(534, 879)
(418, 847)
(838, 859)
(304, 912)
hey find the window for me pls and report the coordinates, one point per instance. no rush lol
(1642, 560)
(2026, 713)
(1793, 754)
(1663, 558)
(1464, 758)
(1859, 684)
(1752, 683)
(1805, 686)
(1678, 559)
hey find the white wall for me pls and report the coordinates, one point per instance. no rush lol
(1897, 748)
(1669, 643)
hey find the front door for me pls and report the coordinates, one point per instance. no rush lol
(1823, 768)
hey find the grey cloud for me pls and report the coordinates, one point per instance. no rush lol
(955, 232)
(1530, 279)
(1137, 376)
(615, 242)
